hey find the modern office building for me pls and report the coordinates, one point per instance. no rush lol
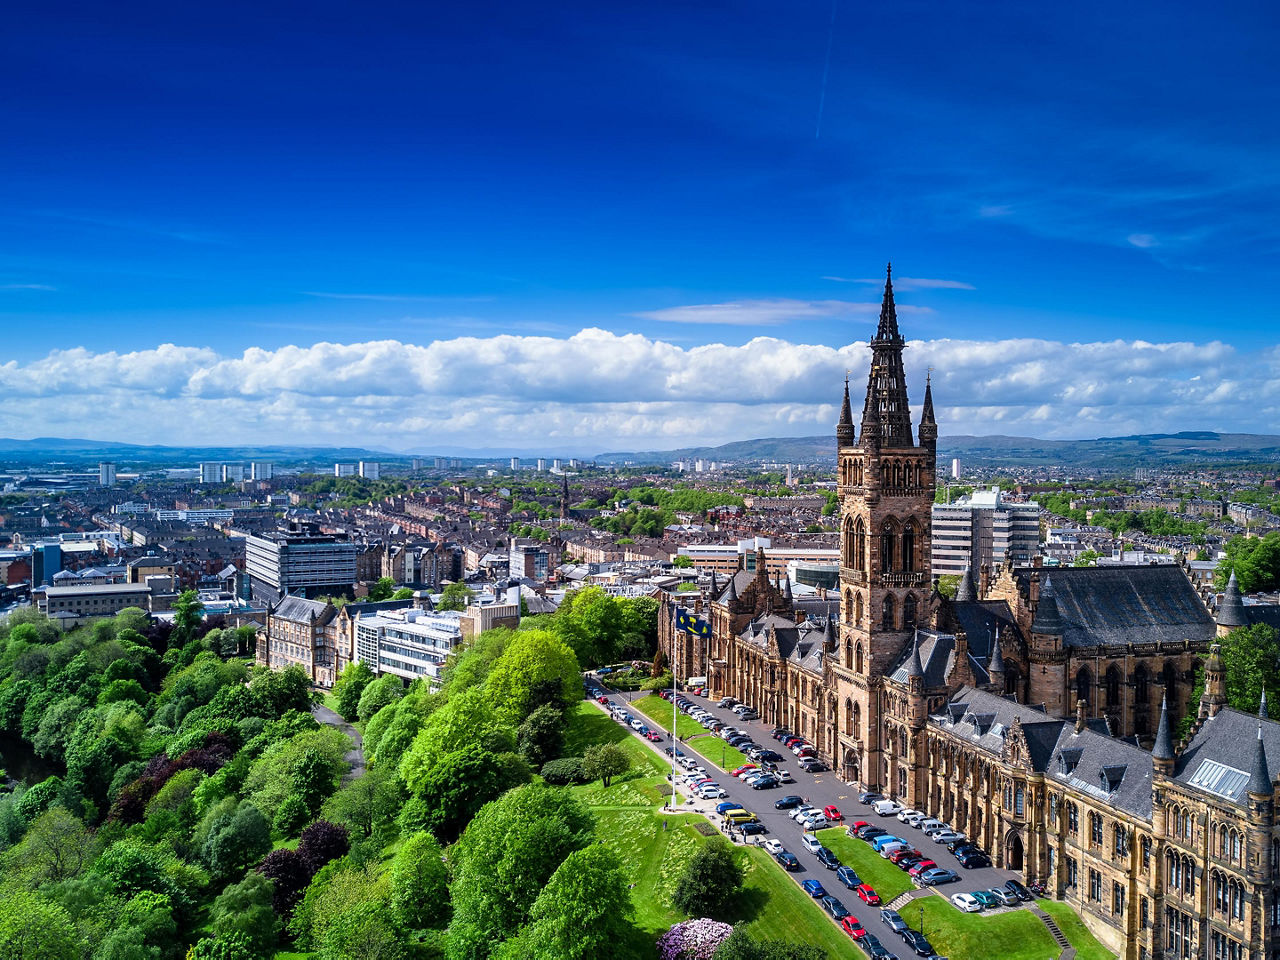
(408, 643)
(106, 474)
(530, 559)
(370, 469)
(300, 561)
(211, 472)
(983, 529)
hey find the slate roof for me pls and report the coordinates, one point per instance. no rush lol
(980, 619)
(983, 719)
(1229, 739)
(1268, 613)
(1117, 605)
(740, 580)
(937, 653)
(1114, 771)
(297, 608)
(800, 643)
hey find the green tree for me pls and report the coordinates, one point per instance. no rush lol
(740, 946)
(948, 584)
(537, 668)
(1254, 560)
(275, 692)
(466, 719)
(1249, 659)
(32, 928)
(604, 761)
(456, 596)
(231, 947)
(244, 910)
(682, 561)
(57, 846)
(236, 841)
(419, 883)
(367, 805)
(457, 785)
(541, 737)
(382, 589)
(504, 859)
(711, 882)
(386, 689)
(591, 622)
(188, 614)
(313, 779)
(583, 911)
(350, 685)
(404, 593)
(1087, 559)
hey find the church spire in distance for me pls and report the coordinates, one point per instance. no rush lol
(844, 429)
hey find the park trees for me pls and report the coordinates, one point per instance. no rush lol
(419, 883)
(350, 685)
(604, 761)
(711, 881)
(536, 668)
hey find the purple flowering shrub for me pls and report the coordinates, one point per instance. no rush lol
(693, 940)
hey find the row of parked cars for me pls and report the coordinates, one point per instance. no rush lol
(969, 855)
(620, 714)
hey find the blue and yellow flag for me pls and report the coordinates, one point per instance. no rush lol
(690, 623)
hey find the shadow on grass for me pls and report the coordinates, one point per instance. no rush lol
(747, 905)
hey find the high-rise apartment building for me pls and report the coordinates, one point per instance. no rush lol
(515, 464)
(260, 470)
(211, 472)
(106, 474)
(299, 560)
(983, 528)
(370, 469)
(344, 469)
(232, 472)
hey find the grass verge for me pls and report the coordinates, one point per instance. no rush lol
(1069, 922)
(1016, 935)
(659, 713)
(887, 879)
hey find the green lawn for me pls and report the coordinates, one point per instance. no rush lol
(887, 879)
(659, 713)
(1069, 922)
(586, 724)
(1016, 935)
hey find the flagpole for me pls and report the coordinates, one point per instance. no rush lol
(674, 715)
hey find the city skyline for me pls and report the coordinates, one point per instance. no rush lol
(625, 232)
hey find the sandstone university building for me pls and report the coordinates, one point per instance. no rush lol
(1033, 712)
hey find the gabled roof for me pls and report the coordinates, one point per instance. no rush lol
(1114, 771)
(1222, 755)
(980, 619)
(299, 609)
(1119, 605)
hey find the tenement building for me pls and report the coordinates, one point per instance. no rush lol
(1033, 711)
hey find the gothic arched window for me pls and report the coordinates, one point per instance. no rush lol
(857, 658)
(886, 619)
(1084, 684)
(909, 612)
(1113, 686)
(909, 547)
(886, 547)
(857, 609)
(1170, 677)
(1141, 684)
(859, 546)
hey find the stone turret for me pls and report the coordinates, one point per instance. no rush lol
(1231, 611)
(1162, 752)
(966, 592)
(1214, 697)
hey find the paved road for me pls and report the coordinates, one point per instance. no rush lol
(354, 756)
(819, 789)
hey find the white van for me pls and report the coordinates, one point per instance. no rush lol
(928, 827)
(886, 808)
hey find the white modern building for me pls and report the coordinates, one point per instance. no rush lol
(515, 464)
(408, 643)
(983, 528)
(106, 474)
(260, 470)
(344, 469)
(211, 472)
(232, 472)
(370, 469)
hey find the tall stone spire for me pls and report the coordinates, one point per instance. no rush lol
(965, 590)
(1260, 776)
(928, 425)
(915, 668)
(1163, 748)
(1231, 610)
(886, 414)
(1048, 620)
(844, 429)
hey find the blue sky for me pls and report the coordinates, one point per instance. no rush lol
(273, 177)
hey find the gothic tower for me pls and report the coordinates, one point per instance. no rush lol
(886, 486)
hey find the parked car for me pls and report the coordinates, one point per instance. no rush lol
(766, 782)
(749, 715)
(789, 802)
(917, 942)
(798, 813)
(874, 948)
(711, 791)
(772, 756)
(871, 832)
(726, 702)
(1018, 890)
(868, 796)
(931, 826)
(893, 920)
(813, 888)
(812, 844)
(913, 819)
(745, 768)
(811, 765)
(834, 907)
(788, 860)
(815, 821)
(722, 808)
(921, 867)
(973, 859)
(868, 895)
(886, 808)
(785, 777)
(948, 836)
(882, 841)
(832, 812)
(852, 927)
(751, 829)
(773, 846)
(827, 858)
(906, 812)
(986, 898)
(1006, 897)
(848, 876)
(966, 902)
(937, 875)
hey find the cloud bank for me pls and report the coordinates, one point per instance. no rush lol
(599, 390)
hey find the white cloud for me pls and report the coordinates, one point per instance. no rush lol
(599, 390)
(1143, 241)
(27, 286)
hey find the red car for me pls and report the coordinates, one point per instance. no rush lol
(832, 812)
(858, 825)
(921, 867)
(654, 737)
(602, 699)
(744, 768)
(902, 854)
(853, 928)
(867, 895)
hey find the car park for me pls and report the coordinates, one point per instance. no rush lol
(827, 858)
(937, 875)
(787, 860)
(848, 876)
(813, 888)
(986, 898)
(966, 902)
(867, 894)
(853, 928)
(837, 910)
(789, 802)
(812, 844)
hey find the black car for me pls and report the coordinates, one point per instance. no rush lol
(788, 860)
(834, 907)
(870, 833)
(870, 797)
(749, 715)
(875, 949)
(789, 802)
(738, 741)
(828, 860)
(811, 765)
(772, 756)
(752, 828)
(917, 942)
(1018, 890)
(957, 846)
(972, 860)
(764, 783)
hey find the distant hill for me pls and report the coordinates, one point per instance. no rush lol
(1111, 453)
(75, 451)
